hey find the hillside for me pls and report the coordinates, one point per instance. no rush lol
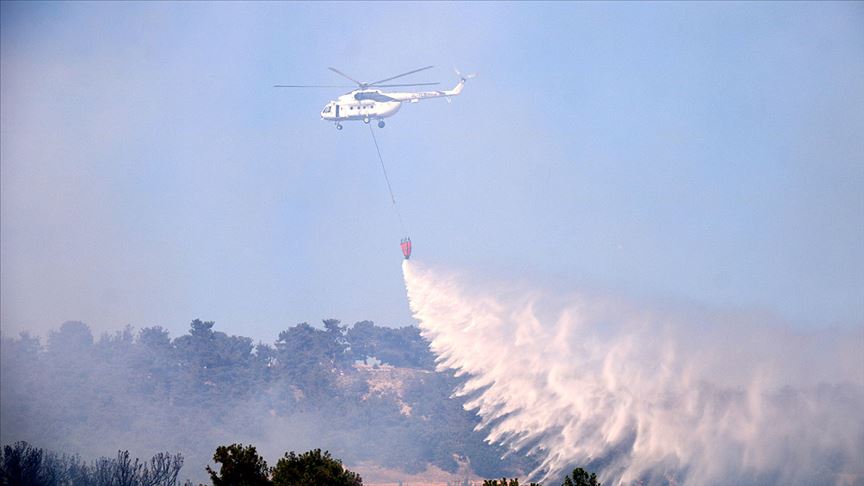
(367, 393)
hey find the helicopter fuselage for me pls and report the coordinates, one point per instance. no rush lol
(361, 105)
(373, 104)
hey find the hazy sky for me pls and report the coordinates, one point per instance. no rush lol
(706, 152)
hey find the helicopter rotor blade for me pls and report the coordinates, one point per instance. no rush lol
(312, 86)
(346, 76)
(396, 85)
(400, 75)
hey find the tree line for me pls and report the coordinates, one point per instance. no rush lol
(237, 465)
(24, 465)
(77, 392)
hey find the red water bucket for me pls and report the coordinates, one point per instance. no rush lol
(406, 247)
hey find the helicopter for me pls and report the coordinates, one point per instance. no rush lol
(368, 102)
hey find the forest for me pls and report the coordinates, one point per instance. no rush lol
(369, 394)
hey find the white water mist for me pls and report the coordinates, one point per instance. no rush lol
(662, 396)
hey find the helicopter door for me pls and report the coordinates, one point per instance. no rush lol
(337, 111)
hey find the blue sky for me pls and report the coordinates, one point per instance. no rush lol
(704, 152)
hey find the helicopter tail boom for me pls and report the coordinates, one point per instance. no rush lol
(417, 96)
(461, 84)
(456, 89)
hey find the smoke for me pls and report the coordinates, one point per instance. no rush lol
(657, 395)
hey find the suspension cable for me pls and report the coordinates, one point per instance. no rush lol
(387, 179)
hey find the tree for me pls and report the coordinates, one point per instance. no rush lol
(310, 359)
(162, 469)
(241, 466)
(403, 347)
(505, 482)
(22, 464)
(313, 468)
(73, 336)
(154, 362)
(217, 367)
(336, 331)
(126, 469)
(580, 477)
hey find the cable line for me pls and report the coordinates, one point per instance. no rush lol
(387, 179)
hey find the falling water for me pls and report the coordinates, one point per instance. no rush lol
(660, 396)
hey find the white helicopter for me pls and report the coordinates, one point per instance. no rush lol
(370, 103)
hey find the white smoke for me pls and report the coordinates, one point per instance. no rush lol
(648, 395)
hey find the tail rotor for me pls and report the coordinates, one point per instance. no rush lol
(464, 77)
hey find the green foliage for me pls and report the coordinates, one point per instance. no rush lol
(241, 466)
(580, 477)
(505, 482)
(402, 346)
(310, 359)
(73, 336)
(213, 364)
(206, 384)
(313, 468)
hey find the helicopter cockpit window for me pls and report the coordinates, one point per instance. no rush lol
(327, 109)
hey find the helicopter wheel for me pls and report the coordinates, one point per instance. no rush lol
(338, 126)
(381, 124)
(366, 120)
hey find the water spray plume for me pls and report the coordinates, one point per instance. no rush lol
(669, 396)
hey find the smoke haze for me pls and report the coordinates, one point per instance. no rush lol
(146, 392)
(661, 395)
(149, 173)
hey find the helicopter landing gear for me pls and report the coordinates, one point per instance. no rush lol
(380, 123)
(366, 120)
(338, 126)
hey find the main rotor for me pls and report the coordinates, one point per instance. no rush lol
(361, 84)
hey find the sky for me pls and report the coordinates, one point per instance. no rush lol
(150, 174)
